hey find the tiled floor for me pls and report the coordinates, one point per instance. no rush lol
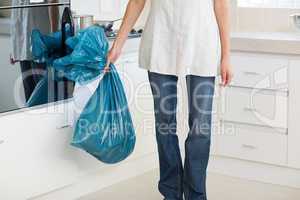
(219, 188)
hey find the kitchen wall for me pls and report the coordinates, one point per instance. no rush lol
(264, 20)
(261, 19)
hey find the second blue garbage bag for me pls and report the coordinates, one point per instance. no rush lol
(104, 128)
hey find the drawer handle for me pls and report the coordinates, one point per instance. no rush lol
(63, 127)
(251, 73)
(250, 109)
(247, 146)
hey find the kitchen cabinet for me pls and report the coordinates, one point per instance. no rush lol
(254, 143)
(35, 156)
(259, 111)
(265, 108)
(140, 101)
(257, 71)
(294, 113)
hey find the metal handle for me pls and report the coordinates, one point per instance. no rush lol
(251, 73)
(34, 5)
(247, 146)
(63, 127)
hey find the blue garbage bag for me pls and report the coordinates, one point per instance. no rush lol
(88, 58)
(104, 128)
(41, 93)
(45, 49)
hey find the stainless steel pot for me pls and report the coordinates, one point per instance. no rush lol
(107, 24)
(82, 22)
(295, 20)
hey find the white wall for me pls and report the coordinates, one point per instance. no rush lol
(265, 19)
(101, 9)
(106, 9)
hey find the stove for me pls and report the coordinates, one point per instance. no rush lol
(112, 34)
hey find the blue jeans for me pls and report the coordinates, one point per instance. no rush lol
(177, 179)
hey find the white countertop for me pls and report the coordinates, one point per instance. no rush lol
(265, 42)
(269, 42)
(281, 36)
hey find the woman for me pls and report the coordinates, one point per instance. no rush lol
(189, 38)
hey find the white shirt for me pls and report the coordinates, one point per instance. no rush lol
(181, 38)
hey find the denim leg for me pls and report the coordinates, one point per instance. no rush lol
(197, 144)
(164, 90)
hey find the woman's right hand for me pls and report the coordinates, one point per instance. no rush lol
(112, 57)
(133, 11)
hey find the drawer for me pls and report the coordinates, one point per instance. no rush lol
(252, 106)
(35, 154)
(260, 72)
(253, 143)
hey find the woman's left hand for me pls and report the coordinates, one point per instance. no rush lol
(226, 72)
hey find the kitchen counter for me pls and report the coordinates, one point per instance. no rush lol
(273, 42)
(266, 42)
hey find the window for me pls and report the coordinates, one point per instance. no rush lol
(269, 3)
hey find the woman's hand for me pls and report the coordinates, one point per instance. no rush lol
(112, 57)
(226, 72)
(222, 11)
(133, 11)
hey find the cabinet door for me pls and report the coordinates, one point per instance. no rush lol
(257, 71)
(140, 102)
(294, 113)
(266, 108)
(254, 143)
(35, 156)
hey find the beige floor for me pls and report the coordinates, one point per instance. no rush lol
(219, 188)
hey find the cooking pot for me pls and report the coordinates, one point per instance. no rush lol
(82, 21)
(107, 24)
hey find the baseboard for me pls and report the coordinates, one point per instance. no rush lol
(111, 175)
(103, 178)
(260, 172)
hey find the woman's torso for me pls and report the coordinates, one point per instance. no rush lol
(181, 37)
